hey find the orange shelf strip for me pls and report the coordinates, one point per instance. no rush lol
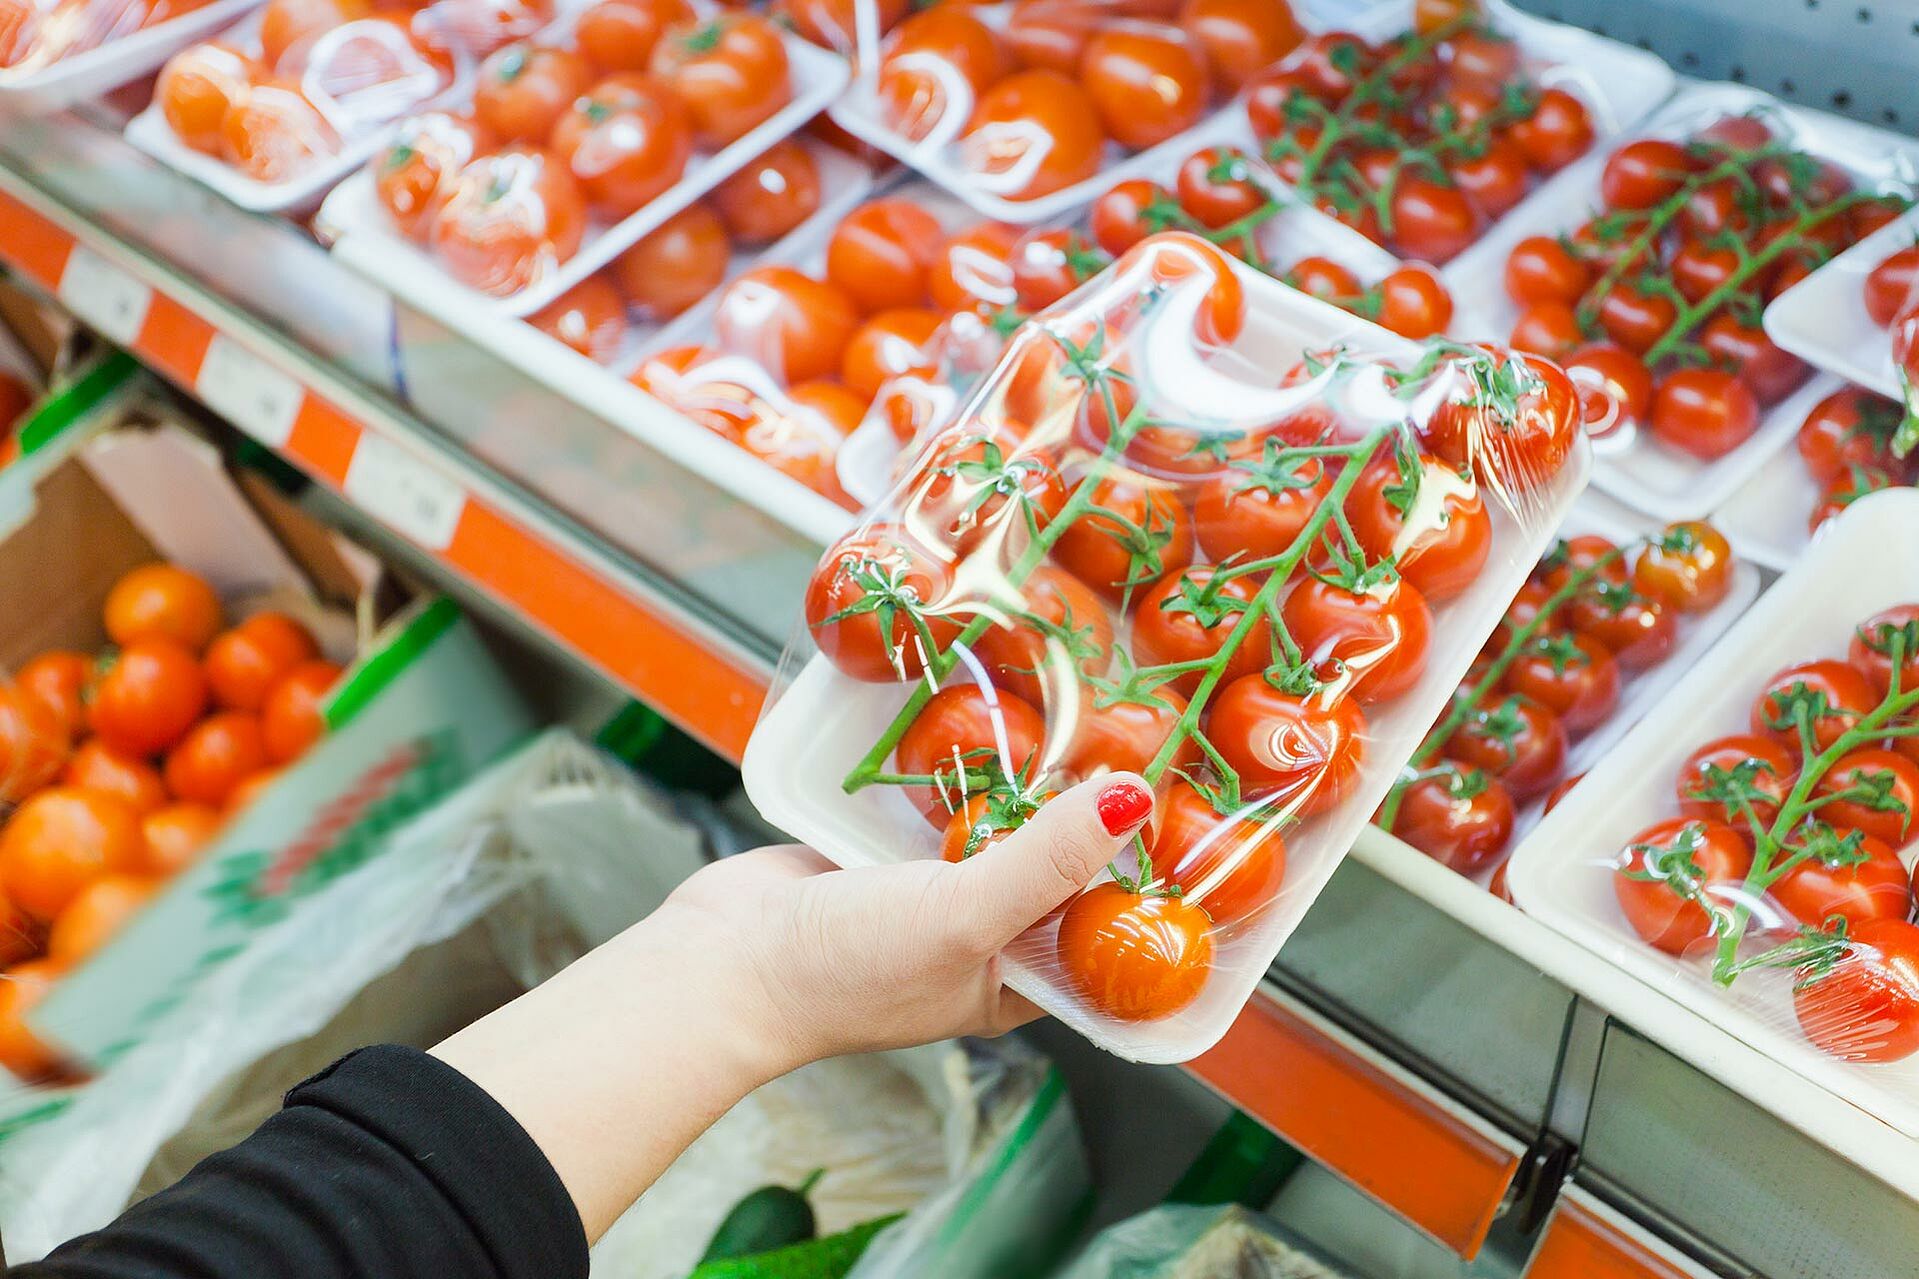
(1583, 1242)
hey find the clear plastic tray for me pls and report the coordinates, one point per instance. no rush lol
(1823, 320)
(90, 73)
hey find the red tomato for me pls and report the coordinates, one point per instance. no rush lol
(1301, 751)
(1644, 173)
(510, 220)
(888, 345)
(1881, 789)
(1051, 264)
(1853, 876)
(973, 487)
(1120, 559)
(1178, 260)
(1033, 133)
(162, 601)
(987, 818)
(619, 35)
(1370, 643)
(1843, 490)
(862, 601)
(1413, 302)
(1134, 958)
(523, 90)
(1513, 417)
(675, 265)
(1230, 864)
(1676, 878)
(1187, 618)
(55, 682)
(1333, 62)
(974, 268)
(1828, 697)
(1768, 372)
(939, 60)
(1551, 329)
(1636, 318)
(415, 172)
(590, 317)
(293, 717)
(1215, 187)
(626, 141)
(1873, 643)
(730, 72)
(1512, 738)
(1639, 631)
(1688, 566)
(1494, 180)
(1147, 83)
(1258, 508)
(1419, 511)
(1891, 283)
(1572, 676)
(882, 254)
(1325, 279)
(1705, 412)
(199, 86)
(1111, 735)
(966, 729)
(1462, 819)
(1558, 132)
(1864, 1005)
(772, 195)
(219, 753)
(1240, 37)
(1430, 221)
(1615, 387)
(149, 698)
(1131, 211)
(1850, 427)
(1588, 557)
(1542, 269)
(1727, 776)
(275, 133)
(795, 327)
(1700, 267)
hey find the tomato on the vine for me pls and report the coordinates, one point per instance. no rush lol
(1131, 211)
(1147, 83)
(1413, 302)
(1863, 1004)
(1135, 957)
(1872, 790)
(1494, 180)
(1636, 317)
(1430, 221)
(1215, 188)
(1551, 329)
(1368, 640)
(867, 598)
(1875, 642)
(1587, 556)
(1180, 261)
(1728, 776)
(1188, 616)
(1513, 418)
(1513, 738)
(1302, 748)
(1421, 512)
(1461, 817)
(966, 729)
(1676, 879)
(1687, 566)
(987, 818)
(1644, 173)
(1112, 733)
(1828, 697)
(1705, 412)
(1573, 676)
(1890, 284)
(1639, 631)
(1116, 558)
(1051, 264)
(1843, 490)
(1769, 371)
(1615, 386)
(1700, 267)
(1061, 631)
(1258, 507)
(1850, 875)
(1558, 131)
(1231, 864)
(1850, 427)
(1543, 269)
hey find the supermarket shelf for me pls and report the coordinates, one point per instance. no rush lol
(1586, 1240)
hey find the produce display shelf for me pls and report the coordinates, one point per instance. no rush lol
(1586, 1240)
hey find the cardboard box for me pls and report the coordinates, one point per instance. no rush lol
(419, 709)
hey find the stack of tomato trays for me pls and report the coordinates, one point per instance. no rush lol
(1142, 547)
(1865, 442)
(1591, 621)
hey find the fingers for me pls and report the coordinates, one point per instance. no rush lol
(1012, 1011)
(1011, 885)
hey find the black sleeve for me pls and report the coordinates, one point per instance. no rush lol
(389, 1164)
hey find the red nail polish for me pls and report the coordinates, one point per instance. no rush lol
(1123, 806)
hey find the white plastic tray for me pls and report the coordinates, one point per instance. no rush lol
(816, 729)
(1561, 874)
(1632, 465)
(365, 240)
(1823, 320)
(117, 62)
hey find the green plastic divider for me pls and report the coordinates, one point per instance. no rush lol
(1245, 1163)
(389, 659)
(70, 403)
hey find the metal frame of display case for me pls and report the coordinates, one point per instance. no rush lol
(1507, 1092)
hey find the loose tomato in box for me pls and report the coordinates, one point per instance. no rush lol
(1171, 532)
(99, 558)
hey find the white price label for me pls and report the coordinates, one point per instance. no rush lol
(103, 295)
(248, 392)
(390, 483)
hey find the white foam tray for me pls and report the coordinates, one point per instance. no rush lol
(815, 729)
(1823, 320)
(1563, 877)
(117, 62)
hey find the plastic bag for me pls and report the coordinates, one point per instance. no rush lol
(1605, 625)
(1745, 848)
(966, 631)
(1197, 1241)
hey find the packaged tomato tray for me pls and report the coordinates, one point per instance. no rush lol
(1837, 318)
(1175, 531)
(54, 54)
(1608, 622)
(1645, 270)
(1746, 849)
(277, 109)
(575, 145)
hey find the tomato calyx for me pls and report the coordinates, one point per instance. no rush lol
(1561, 651)
(1279, 469)
(887, 591)
(1007, 808)
(1735, 789)
(1874, 790)
(1144, 544)
(1206, 602)
(1797, 707)
(1886, 639)
(1296, 679)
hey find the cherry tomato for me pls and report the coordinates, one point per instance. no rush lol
(1882, 788)
(1302, 750)
(1549, 329)
(626, 141)
(1863, 1006)
(730, 72)
(522, 91)
(415, 172)
(1767, 371)
(1215, 188)
(1853, 876)
(1260, 506)
(1636, 318)
(149, 698)
(1120, 559)
(1147, 83)
(1865, 218)
(1324, 279)
(1239, 37)
(1513, 738)
(275, 133)
(1727, 776)
(1677, 878)
(1061, 631)
(98, 767)
(1229, 864)
(862, 601)
(55, 682)
(1431, 16)
(1513, 418)
(771, 196)
(1573, 676)
(289, 25)
(1889, 284)
(1133, 957)
(162, 601)
(1700, 267)
(198, 86)
(1368, 642)
(1131, 211)
(1688, 566)
(511, 219)
(173, 837)
(1430, 221)
(1589, 556)
(675, 265)
(1639, 631)
(1543, 269)
(1852, 426)
(61, 840)
(882, 254)
(966, 729)
(1178, 260)
(1422, 513)
(974, 268)
(1187, 618)
(1462, 819)
(974, 485)
(1051, 264)
(1644, 173)
(1558, 132)
(1873, 642)
(1414, 303)
(940, 60)
(1494, 180)
(1522, 612)
(987, 818)
(293, 717)
(218, 754)
(1828, 696)
(619, 35)
(1615, 387)
(590, 318)
(1113, 734)
(1843, 490)
(795, 327)
(1333, 62)
(834, 24)
(889, 345)
(1705, 412)
(1033, 133)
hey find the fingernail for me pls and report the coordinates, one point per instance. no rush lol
(1123, 806)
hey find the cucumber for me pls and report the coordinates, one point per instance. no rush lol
(771, 1217)
(828, 1258)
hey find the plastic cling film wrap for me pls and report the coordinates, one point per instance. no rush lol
(34, 35)
(1748, 847)
(1175, 531)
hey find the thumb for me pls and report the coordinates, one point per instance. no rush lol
(1014, 883)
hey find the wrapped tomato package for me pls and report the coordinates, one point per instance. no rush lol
(572, 147)
(277, 109)
(1194, 524)
(1646, 268)
(1840, 317)
(1747, 849)
(54, 54)
(1020, 109)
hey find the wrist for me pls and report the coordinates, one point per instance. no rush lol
(735, 1013)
